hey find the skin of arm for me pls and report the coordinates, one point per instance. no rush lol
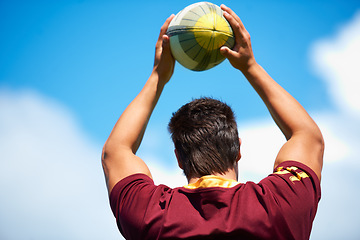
(305, 143)
(118, 155)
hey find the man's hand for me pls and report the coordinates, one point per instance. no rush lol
(164, 62)
(241, 56)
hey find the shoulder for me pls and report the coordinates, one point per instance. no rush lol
(294, 171)
(133, 200)
(294, 182)
(295, 192)
(136, 187)
(132, 183)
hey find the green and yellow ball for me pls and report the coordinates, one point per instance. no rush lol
(196, 35)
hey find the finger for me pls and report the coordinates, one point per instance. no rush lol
(233, 14)
(166, 24)
(163, 30)
(224, 51)
(166, 47)
(234, 25)
(227, 52)
(241, 34)
(166, 43)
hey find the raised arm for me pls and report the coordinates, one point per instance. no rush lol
(118, 156)
(305, 143)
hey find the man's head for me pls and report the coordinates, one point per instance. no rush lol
(205, 136)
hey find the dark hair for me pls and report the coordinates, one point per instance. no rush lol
(205, 136)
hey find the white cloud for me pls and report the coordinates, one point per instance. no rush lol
(164, 175)
(336, 60)
(51, 181)
(261, 141)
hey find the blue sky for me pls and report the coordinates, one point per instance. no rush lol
(69, 68)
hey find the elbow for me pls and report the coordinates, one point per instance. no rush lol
(318, 137)
(317, 143)
(107, 157)
(112, 150)
(103, 153)
(313, 139)
(313, 134)
(106, 150)
(104, 159)
(318, 148)
(321, 143)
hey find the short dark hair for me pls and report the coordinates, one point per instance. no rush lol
(205, 135)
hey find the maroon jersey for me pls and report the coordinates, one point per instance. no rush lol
(281, 206)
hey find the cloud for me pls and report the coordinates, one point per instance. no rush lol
(165, 175)
(262, 134)
(336, 61)
(51, 181)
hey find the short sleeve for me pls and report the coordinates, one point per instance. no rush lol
(296, 191)
(129, 200)
(293, 172)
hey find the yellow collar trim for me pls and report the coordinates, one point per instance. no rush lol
(212, 181)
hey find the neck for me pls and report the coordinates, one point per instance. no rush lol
(230, 174)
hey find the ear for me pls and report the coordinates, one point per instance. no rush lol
(237, 162)
(239, 156)
(177, 158)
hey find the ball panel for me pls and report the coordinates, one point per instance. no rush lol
(178, 53)
(206, 57)
(196, 35)
(180, 15)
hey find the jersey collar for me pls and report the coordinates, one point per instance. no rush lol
(212, 181)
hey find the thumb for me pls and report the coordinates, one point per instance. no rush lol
(226, 52)
(166, 41)
(166, 46)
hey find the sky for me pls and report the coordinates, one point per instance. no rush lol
(69, 68)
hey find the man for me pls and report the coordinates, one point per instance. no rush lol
(214, 205)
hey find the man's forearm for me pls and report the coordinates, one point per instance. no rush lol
(130, 128)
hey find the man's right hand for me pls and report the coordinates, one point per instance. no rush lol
(241, 56)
